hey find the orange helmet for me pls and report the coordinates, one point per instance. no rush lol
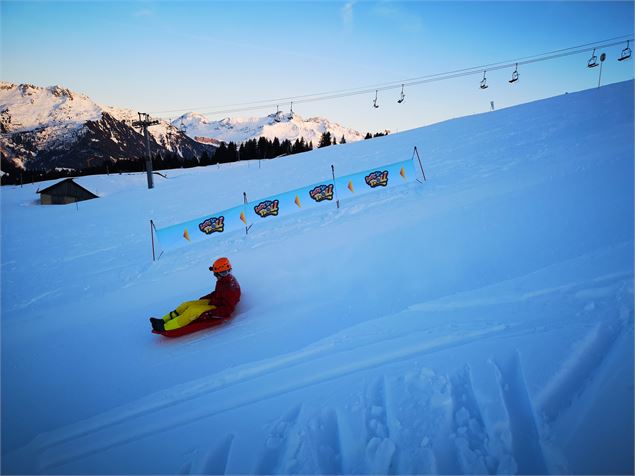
(220, 265)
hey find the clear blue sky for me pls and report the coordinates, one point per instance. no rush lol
(155, 56)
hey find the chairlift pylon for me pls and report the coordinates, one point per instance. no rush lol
(484, 81)
(514, 75)
(626, 52)
(375, 100)
(402, 97)
(593, 60)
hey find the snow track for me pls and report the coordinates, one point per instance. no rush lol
(400, 406)
(102, 432)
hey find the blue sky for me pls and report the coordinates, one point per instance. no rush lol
(168, 57)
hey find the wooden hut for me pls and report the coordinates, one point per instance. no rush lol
(66, 191)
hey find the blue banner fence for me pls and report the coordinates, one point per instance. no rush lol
(284, 204)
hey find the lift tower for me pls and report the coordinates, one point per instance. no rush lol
(143, 122)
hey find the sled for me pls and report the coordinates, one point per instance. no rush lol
(192, 327)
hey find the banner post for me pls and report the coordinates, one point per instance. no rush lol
(417, 152)
(337, 200)
(152, 238)
(244, 211)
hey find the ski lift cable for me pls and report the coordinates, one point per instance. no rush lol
(425, 79)
(469, 72)
(622, 38)
(264, 104)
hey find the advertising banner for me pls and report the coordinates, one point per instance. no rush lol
(201, 228)
(291, 202)
(375, 179)
(284, 204)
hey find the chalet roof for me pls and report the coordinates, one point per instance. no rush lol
(68, 181)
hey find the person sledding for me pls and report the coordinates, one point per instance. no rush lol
(219, 304)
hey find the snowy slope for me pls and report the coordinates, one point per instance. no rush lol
(281, 125)
(480, 322)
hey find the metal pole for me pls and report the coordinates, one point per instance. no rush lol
(417, 152)
(143, 122)
(244, 210)
(152, 237)
(148, 158)
(337, 200)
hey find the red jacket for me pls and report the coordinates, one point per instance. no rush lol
(225, 297)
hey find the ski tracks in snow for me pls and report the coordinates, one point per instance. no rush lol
(457, 429)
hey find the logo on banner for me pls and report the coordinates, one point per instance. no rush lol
(267, 208)
(377, 179)
(212, 225)
(322, 192)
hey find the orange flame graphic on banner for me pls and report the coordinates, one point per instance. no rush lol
(350, 186)
(242, 217)
(186, 235)
(403, 172)
(297, 201)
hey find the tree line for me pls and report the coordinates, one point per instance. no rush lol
(253, 149)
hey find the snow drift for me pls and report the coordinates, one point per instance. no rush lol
(481, 322)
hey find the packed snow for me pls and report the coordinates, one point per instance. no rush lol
(477, 322)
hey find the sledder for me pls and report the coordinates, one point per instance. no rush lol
(207, 311)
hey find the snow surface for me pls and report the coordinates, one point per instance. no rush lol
(480, 322)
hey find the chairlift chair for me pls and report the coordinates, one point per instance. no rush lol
(375, 100)
(593, 61)
(626, 52)
(484, 81)
(402, 97)
(514, 75)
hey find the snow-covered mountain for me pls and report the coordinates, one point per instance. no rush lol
(55, 127)
(281, 125)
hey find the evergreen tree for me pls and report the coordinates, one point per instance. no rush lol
(285, 147)
(232, 153)
(343, 140)
(325, 139)
(205, 158)
(221, 153)
(263, 148)
(250, 150)
(276, 150)
(368, 136)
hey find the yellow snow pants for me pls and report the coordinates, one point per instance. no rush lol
(186, 313)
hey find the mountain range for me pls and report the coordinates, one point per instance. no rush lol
(289, 126)
(55, 128)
